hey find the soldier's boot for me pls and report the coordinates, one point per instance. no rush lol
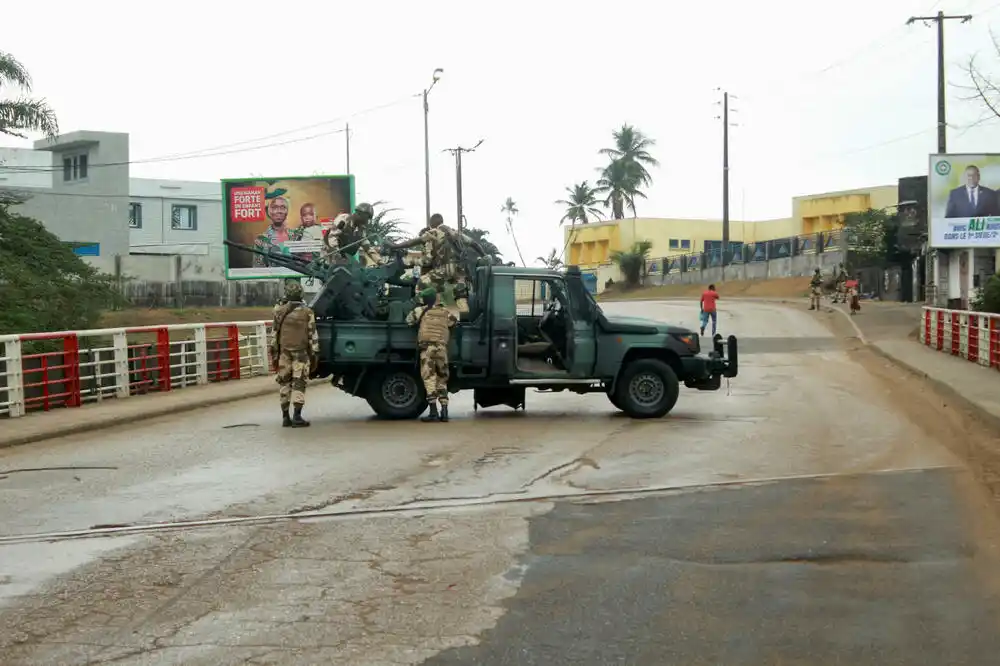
(286, 419)
(444, 412)
(432, 415)
(297, 420)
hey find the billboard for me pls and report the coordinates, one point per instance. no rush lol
(285, 215)
(963, 200)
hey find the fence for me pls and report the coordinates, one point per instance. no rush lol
(44, 371)
(972, 335)
(747, 253)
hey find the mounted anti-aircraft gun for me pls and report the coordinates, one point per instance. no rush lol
(350, 291)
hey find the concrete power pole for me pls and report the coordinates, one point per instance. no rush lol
(725, 179)
(347, 135)
(940, 19)
(457, 152)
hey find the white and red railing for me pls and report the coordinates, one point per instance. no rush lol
(972, 335)
(44, 371)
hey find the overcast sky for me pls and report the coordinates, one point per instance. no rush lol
(830, 96)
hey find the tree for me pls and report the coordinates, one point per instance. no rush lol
(44, 286)
(581, 204)
(23, 114)
(621, 188)
(987, 297)
(983, 87)
(387, 229)
(872, 236)
(552, 261)
(632, 149)
(510, 209)
(479, 235)
(633, 262)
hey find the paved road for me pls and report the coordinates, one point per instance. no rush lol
(801, 518)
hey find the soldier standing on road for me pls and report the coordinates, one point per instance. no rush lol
(295, 350)
(439, 263)
(434, 322)
(841, 285)
(815, 286)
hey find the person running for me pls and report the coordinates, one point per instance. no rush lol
(708, 310)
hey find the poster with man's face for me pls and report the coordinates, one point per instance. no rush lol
(963, 200)
(285, 216)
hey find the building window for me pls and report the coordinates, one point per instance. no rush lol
(75, 167)
(135, 216)
(673, 244)
(184, 218)
(685, 245)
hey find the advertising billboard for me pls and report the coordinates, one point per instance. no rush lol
(284, 215)
(963, 200)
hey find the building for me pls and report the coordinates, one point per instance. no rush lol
(591, 246)
(78, 186)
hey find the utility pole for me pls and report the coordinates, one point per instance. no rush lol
(427, 148)
(347, 134)
(457, 152)
(940, 19)
(725, 179)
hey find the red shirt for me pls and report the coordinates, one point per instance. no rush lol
(708, 299)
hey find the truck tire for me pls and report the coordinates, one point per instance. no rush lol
(397, 394)
(646, 389)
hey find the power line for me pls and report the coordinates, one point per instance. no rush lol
(220, 150)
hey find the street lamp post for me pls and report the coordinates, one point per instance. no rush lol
(427, 149)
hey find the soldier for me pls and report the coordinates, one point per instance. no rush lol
(434, 322)
(295, 351)
(841, 285)
(815, 286)
(354, 238)
(439, 263)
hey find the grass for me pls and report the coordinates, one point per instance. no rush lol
(792, 287)
(157, 316)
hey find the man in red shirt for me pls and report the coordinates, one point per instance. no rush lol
(708, 299)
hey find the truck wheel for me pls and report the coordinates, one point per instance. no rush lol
(646, 389)
(397, 394)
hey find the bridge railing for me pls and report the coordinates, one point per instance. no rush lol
(45, 371)
(974, 336)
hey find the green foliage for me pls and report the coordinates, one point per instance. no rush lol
(553, 261)
(624, 177)
(43, 285)
(987, 297)
(510, 209)
(633, 262)
(23, 113)
(581, 204)
(480, 236)
(872, 237)
(384, 227)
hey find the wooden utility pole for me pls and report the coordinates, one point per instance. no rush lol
(940, 19)
(457, 152)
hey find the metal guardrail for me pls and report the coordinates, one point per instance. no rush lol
(44, 371)
(974, 336)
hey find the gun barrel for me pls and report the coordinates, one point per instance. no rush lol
(285, 261)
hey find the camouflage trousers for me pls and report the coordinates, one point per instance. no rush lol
(841, 294)
(817, 292)
(439, 278)
(293, 373)
(434, 371)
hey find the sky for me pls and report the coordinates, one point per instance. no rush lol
(825, 96)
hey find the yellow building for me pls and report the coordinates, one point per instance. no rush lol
(591, 245)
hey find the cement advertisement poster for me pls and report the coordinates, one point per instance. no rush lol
(286, 216)
(963, 200)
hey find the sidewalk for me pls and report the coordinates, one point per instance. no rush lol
(890, 330)
(37, 426)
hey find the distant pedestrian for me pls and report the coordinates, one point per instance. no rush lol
(708, 309)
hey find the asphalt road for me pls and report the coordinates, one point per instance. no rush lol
(801, 517)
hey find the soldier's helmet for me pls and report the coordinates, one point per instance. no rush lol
(293, 290)
(364, 210)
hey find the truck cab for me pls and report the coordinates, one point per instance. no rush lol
(529, 328)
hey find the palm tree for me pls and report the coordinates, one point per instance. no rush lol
(631, 147)
(581, 204)
(23, 114)
(552, 261)
(510, 209)
(619, 182)
(386, 229)
(633, 262)
(479, 235)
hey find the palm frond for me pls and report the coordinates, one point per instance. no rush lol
(13, 72)
(31, 115)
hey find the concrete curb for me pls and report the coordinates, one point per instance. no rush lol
(155, 411)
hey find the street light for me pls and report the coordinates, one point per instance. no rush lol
(427, 148)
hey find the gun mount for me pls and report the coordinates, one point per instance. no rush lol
(350, 291)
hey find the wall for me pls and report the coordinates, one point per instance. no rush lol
(798, 266)
(23, 167)
(824, 212)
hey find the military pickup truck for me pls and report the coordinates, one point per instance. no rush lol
(526, 328)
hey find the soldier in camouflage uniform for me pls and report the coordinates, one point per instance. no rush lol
(435, 323)
(841, 284)
(354, 235)
(439, 263)
(295, 351)
(816, 290)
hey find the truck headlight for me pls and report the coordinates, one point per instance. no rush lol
(689, 340)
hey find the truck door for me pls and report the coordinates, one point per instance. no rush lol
(583, 337)
(501, 308)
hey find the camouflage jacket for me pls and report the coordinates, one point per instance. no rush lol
(294, 329)
(435, 322)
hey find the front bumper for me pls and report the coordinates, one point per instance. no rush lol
(705, 371)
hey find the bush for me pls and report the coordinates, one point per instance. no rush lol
(44, 286)
(987, 297)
